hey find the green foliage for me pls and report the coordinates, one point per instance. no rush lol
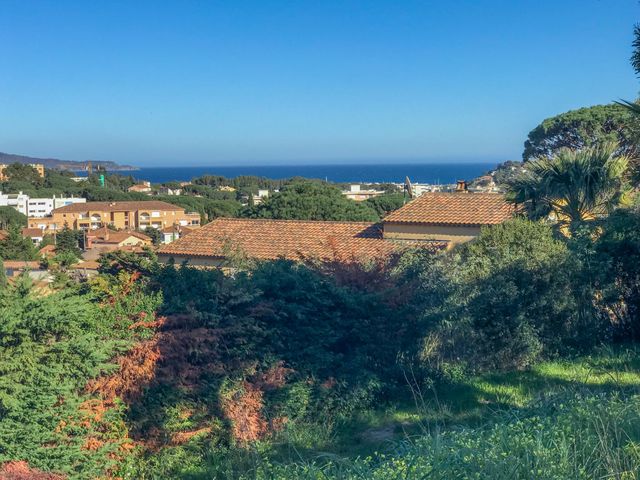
(503, 300)
(386, 203)
(311, 201)
(17, 247)
(49, 347)
(616, 266)
(577, 129)
(574, 186)
(68, 241)
(10, 217)
(24, 173)
(579, 438)
(145, 262)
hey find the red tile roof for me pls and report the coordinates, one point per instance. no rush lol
(86, 265)
(293, 239)
(117, 206)
(32, 232)
(177, 229)
(21, 265)
(106, 235)
(471, 209)
(47, 249)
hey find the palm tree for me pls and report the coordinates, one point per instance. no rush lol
(573, 186)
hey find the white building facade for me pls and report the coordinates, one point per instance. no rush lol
(36, 207)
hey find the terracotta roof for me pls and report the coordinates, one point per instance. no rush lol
(87, 264)
(454, 209)
(293, 239)
(22, 264)
(177, 229)
(32, 232)
(47, 249)
(117, 206)
(105, 235)
(141, 187)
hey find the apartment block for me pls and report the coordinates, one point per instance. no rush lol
(122, 215)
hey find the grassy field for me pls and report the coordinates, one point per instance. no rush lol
(576, 418)
(479, 399)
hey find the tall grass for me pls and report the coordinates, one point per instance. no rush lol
(572, 437)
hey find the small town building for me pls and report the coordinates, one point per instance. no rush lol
(104, 240)
(163, 190)
(106, 236)
(142, 187)
(259, 198)
(454, 217)
(34, 234)
(35, 270)
(174, 232)
(18, 201)
(223, 239)
(130, 215)
(41, 207)
(356, 193)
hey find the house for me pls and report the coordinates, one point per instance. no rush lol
(104, 240)
(259, 198)
(36, 272)
(86, 268)
(42, 207)
(265, 239)
(106, 236)
(163, 190)
(173, 233)
(35, 234)
(356, 193)
(130, 215)
(454, 217)
(36, 207)
(18, 201)
(142, 187)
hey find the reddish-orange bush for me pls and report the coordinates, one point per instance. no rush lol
(21, 471)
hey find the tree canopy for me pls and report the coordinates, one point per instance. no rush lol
(311, 200)
(9, 217)
(573, 185)
(581, 128)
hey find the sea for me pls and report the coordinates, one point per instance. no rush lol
(431, 173)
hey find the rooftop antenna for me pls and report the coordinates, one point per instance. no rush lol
(408, 190)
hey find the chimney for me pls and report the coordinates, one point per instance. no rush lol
(461, 186)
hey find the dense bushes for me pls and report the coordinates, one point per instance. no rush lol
(50, 348)
(504, 300)
(283, 355)
(309, 200)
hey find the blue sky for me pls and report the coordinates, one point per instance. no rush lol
(163, 83)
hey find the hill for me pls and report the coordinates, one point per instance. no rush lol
(63, 164)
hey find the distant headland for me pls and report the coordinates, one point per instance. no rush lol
(65, 164)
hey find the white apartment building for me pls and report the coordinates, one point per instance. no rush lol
(19, 201)
(42, 207)
(36, 207)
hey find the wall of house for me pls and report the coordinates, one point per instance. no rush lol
(454, 234)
